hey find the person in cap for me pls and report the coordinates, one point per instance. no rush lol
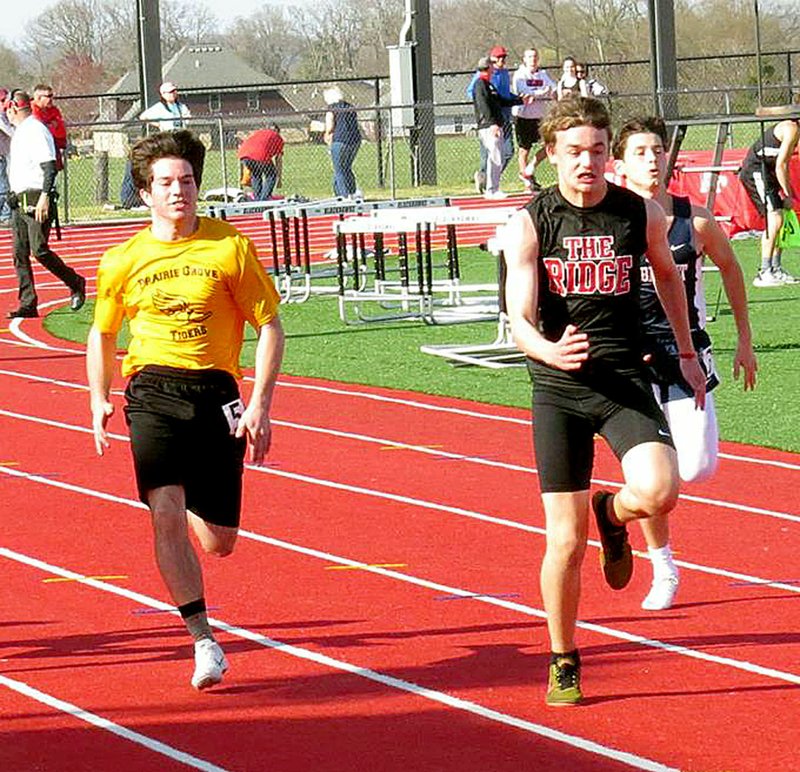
(501, 80)
(32, 176)
(169, 113)
(490, 121)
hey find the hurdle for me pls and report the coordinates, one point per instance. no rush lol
(289, 230)
(502, 352)
(416, 293)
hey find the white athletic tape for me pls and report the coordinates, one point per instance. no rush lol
(375, 225)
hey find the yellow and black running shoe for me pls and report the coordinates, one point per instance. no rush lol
(564, 682)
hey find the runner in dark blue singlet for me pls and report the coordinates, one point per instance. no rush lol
(640, 152)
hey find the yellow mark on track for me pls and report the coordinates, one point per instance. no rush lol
(369, 565)
(9, 463)
(104, 577)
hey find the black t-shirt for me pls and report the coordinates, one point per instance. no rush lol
(589, 276)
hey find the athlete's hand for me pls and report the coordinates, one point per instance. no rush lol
(693, 375)
(255, 425)
(745, 359)
(102, 410)
(570, 351)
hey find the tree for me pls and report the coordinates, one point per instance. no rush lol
(268, 41)
(184, 22)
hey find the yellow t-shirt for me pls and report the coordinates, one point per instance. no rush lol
(187, 300)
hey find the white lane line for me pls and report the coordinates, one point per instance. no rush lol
(109, 726)
(382, 441)
(439, 588)
(431, 505)
(393, 400)
(442, 698)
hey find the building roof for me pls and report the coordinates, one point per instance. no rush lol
(199, 67)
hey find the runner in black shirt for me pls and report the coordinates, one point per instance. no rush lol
(572, 294)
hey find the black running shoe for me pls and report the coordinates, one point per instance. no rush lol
(616, 557)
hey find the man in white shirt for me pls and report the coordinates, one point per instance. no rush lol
(169, 113)
(538, 89)
(32, 177)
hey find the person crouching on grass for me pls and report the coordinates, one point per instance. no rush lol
(187, 285)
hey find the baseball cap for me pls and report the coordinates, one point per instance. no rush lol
(484, 63)
(20, 100)
(167, 88)
(498, 51)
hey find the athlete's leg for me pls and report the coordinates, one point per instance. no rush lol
(176, 558)
(215, 539)
(651, 484)
(696, 439)
(567, 517)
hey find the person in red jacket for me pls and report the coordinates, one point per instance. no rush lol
(45, 111)
(261, 153)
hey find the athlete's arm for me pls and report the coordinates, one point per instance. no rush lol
(101, 348)
(714, 243)
(521, 249)
(255, 419)
(672, 294)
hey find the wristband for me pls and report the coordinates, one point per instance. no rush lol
(687, 354)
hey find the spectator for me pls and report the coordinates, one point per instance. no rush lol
(261, 153)
(568, 84)
(168, 114)
(490, 120)
(32, 175)
(537, 89)
(343, 136)
(45, 111)
(594, 88)
(6, 132)
(501, 80)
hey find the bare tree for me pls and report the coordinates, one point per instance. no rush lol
(184, 22)
(267, 40)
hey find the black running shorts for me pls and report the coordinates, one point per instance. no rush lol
(181, 425)
(527, 131)
(621, 409)
(764, 191)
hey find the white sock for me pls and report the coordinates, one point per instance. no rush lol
(663, 565)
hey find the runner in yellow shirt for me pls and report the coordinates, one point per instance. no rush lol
(187, 285)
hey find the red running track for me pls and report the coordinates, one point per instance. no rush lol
(381, 610)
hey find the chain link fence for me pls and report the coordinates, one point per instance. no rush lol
(407, 151)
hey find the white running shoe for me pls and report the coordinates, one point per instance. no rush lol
(784, 277)
(209, 664)
(766, 278)
(662, 593)
(496, 195)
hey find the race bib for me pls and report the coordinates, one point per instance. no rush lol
(233, 412)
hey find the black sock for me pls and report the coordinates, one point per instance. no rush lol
(196, 620)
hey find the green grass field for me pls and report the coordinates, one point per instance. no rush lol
(387, 353)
